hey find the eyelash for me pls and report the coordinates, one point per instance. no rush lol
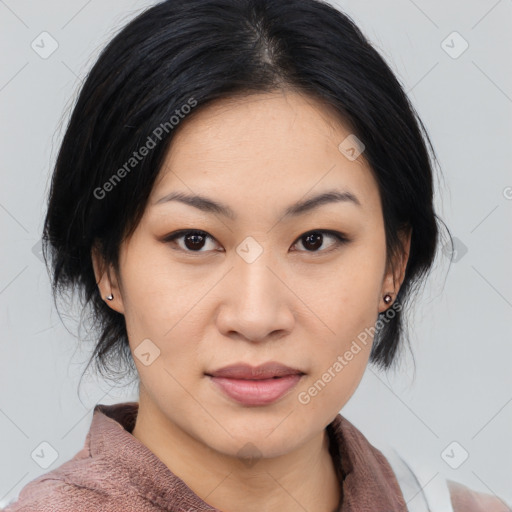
(340, 239)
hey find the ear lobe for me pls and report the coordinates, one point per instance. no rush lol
(395, 273)
(106, 284)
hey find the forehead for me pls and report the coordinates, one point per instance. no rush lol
(272, 147)
(300, 121)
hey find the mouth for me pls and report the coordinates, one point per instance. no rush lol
(255, 386)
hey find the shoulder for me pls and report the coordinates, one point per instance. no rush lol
(53, 490)
(46, 493)
(56, 495)
(90, 481)
(81, 483)
(424, 492)
(467, 500)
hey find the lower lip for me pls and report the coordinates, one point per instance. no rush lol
(256, 392)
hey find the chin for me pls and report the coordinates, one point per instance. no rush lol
(267, 437)
(252, 448)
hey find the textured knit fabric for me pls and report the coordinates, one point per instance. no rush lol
(115, 472)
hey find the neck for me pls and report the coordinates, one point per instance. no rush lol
(305, 479)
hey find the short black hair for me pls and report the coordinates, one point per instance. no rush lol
(192, 53)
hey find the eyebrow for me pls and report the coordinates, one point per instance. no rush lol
(208, 205)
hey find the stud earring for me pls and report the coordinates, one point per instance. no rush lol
(110, 297)
(387, 298)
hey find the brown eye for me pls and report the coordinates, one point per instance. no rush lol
(195, 241)
(313, 240)
(192, 241)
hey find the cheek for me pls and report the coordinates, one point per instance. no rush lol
(331, 390)
(347, 296)
(348, 309)
(155, 294)
(337, 369)
(163, 307)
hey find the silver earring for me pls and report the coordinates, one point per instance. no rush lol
(110, 297)
(387, 298)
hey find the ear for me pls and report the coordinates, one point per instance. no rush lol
(393, 280)
(107, 282)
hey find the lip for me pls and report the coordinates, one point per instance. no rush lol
(256, 385)
(260, 372)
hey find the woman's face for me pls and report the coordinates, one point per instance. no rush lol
(253, 288)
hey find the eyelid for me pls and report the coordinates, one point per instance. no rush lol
(178, 234)
(340, 237)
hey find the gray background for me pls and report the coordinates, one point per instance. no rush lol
(461, 389)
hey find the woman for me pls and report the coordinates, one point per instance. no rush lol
(244, 198)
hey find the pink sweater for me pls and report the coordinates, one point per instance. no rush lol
(115, 472)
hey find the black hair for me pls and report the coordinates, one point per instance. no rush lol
(175, 58)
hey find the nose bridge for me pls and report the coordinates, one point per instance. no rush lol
(253, 263)
(257, 305)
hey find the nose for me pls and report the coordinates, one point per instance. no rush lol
(258, 304)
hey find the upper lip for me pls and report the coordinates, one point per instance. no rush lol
(263, 371)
